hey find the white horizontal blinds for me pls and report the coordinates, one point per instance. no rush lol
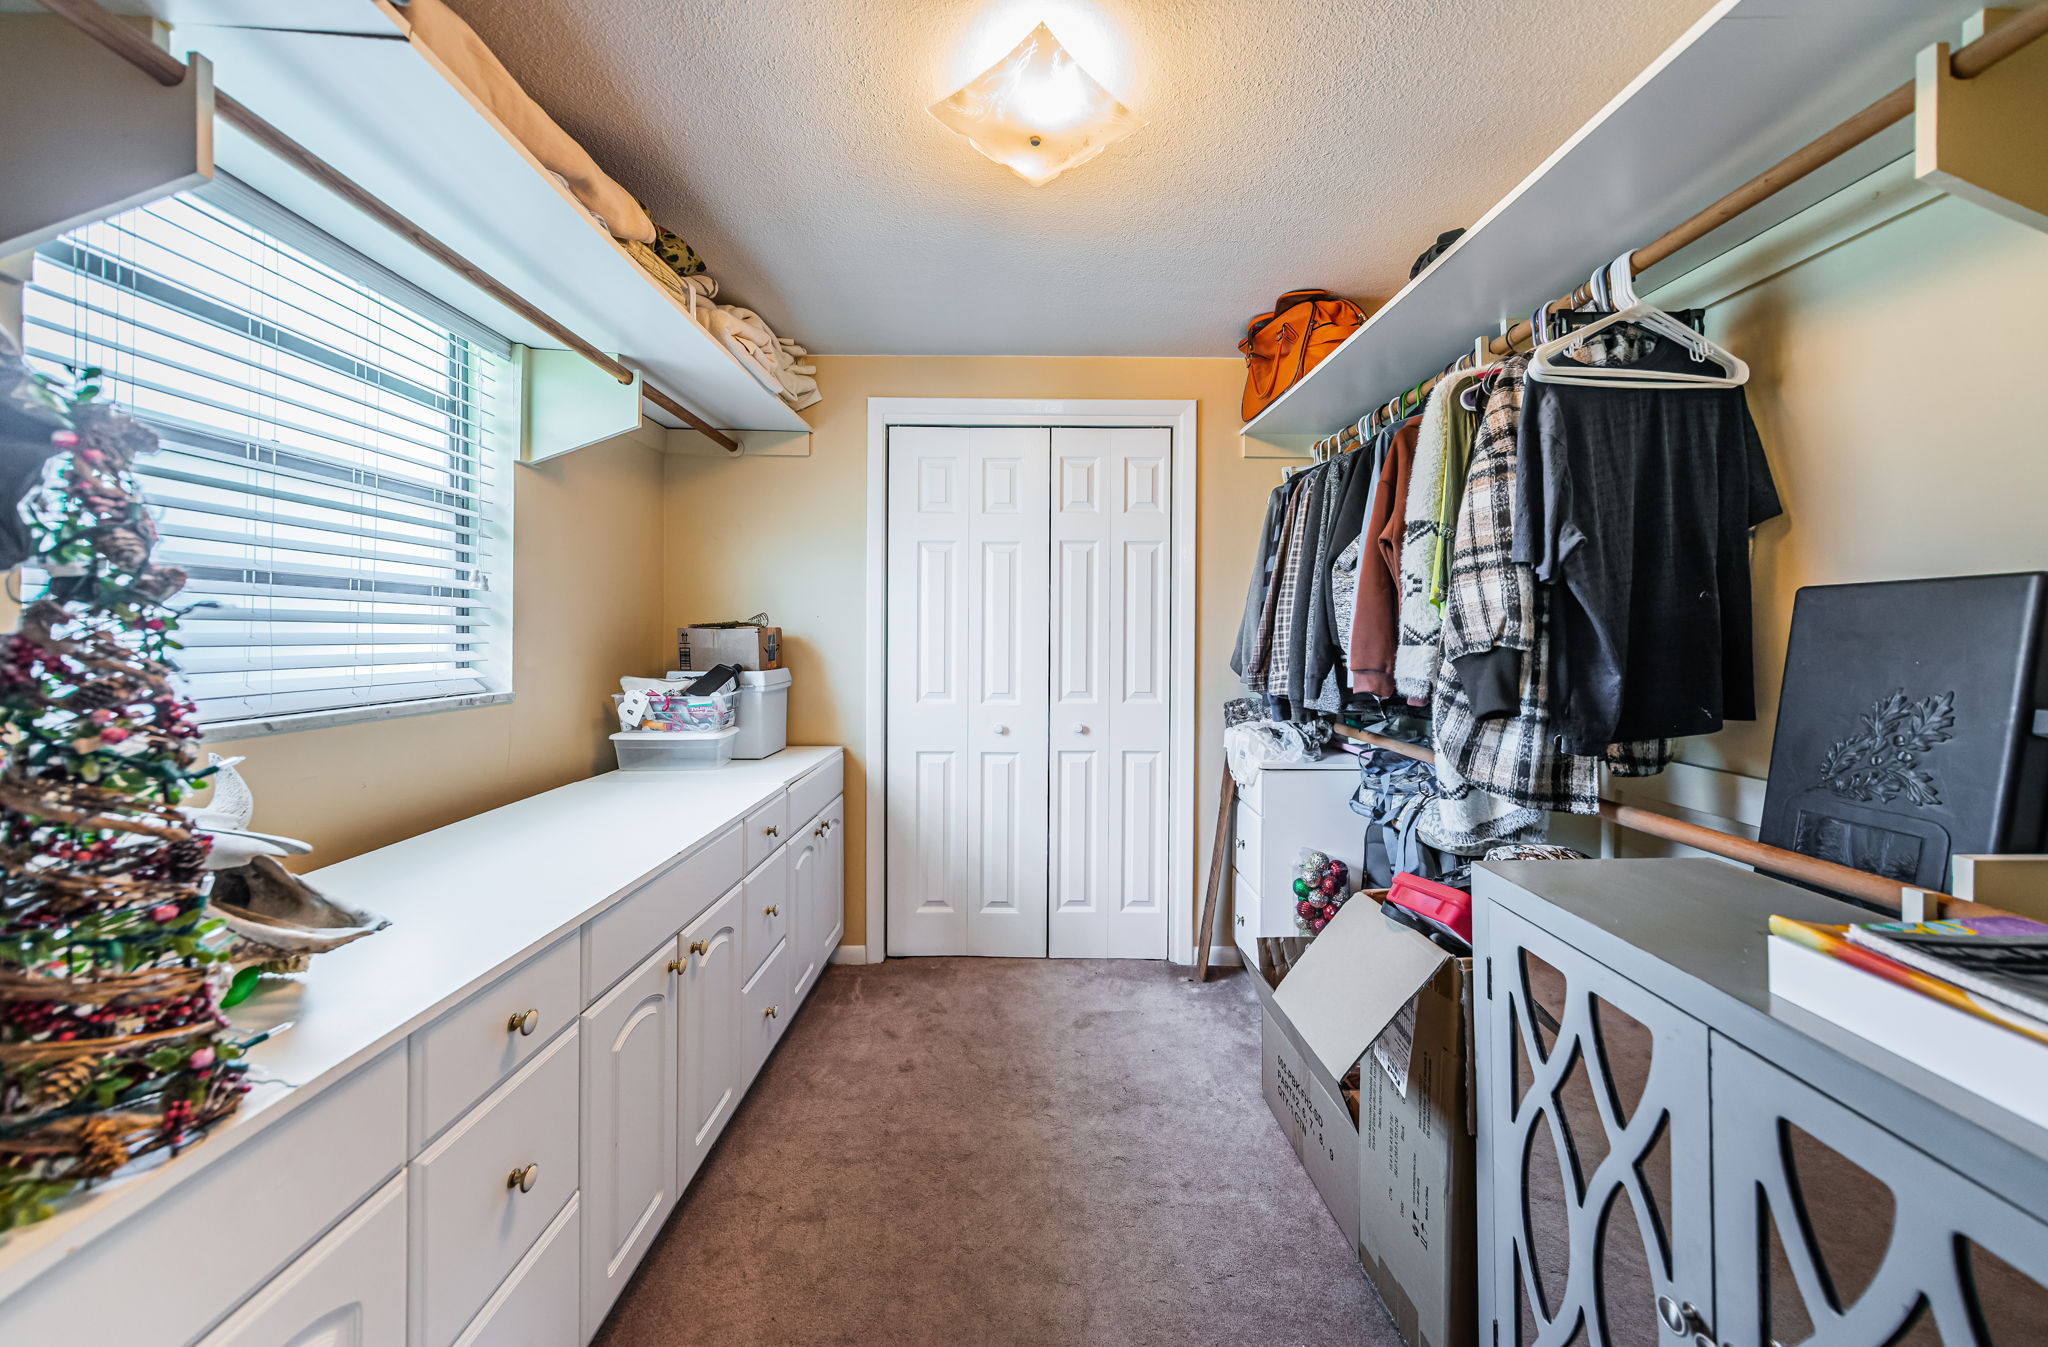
(324, 475)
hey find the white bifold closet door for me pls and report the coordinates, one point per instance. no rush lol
(1028, 638)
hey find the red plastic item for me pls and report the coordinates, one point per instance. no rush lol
(1439, 904)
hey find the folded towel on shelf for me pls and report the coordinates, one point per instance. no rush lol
(455, 45)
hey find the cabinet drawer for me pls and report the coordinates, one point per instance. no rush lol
(459, 1057)
(764, 913)
(1246, 917)
(346, 1291)
(1253, 797)
(664, 905)
(1248, 846)
(470, 1223)
(810, 794)
(536, 1307)
(276, 1191)
(765, 1008)
(766, 829)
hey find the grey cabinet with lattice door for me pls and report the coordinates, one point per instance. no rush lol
(1668, 1158)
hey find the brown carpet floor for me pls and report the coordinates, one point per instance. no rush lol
(985, 1152)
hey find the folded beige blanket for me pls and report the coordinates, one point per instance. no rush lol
(463, 54)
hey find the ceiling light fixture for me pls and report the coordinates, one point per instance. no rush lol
(1037, 111)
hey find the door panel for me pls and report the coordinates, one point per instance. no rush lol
(710, 1075)
(967, 672)
(629, 1127)
(805, 850)
(1834, 1232)
(1592, 1147)
(1111, 638)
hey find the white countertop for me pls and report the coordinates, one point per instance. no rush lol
(464, 902)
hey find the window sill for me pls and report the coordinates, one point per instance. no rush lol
(259, 726)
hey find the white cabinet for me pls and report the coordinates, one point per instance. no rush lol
(629, 1126)
(764, 922)
(765, 1008)
(348, 1290)
(489, 1167)
(1290, 807)
(806, 893)
(710, 1079)
(832, 874)
(536, 1307)
(484, 1193)
(817, 891)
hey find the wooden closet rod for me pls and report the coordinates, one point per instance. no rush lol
(1861, 884)
(132, 46)
(1966, 62)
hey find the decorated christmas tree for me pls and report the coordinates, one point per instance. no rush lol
(110, 1032)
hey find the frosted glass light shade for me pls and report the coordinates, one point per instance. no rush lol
(1037, 111)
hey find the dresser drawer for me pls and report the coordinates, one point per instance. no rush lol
(1249, 845)
(766, 829)
(1246, 917)
(346, 1291)
(461, 1055)
(764, 913)
(619, 939)
(536, 1307)
(1253, 797)
(809, 794)
(471, 1223)
(277, 1191)
(765, 1007)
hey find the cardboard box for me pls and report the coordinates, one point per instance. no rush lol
(1317, 1122)
(748, 647)
(1411, 1188)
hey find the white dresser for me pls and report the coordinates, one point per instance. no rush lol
(1288, 807)
(478, 1119)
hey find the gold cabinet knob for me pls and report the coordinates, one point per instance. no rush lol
(523, 1178)
(818, 831)
(523, 1022)
(769, 910)
(700, 947)
(772, 830)
(769, 1013)
(677, 965)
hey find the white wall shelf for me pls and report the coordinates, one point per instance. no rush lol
(345, 81)
(1752, 81)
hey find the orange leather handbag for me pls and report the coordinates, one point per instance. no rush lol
(1281, 346)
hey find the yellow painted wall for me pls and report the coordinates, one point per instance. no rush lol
(788, 535)
(587, 599)
(1892, 380)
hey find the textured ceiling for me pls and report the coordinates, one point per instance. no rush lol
(1289, 143)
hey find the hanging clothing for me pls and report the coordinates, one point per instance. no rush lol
(1328, 658)
(1375, 615)
(1421, 609)
(1497, 761)
(1634, 506)
(1283, 673)
(1244, 659)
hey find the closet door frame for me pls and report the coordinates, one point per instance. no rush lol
(1179, 416)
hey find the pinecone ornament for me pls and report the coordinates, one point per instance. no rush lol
(62, 1083)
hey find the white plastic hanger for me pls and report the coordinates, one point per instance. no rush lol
(1614, 285)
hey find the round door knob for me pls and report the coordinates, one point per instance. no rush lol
(700, 947)
(769, 1013)
(1002, 729)
(677, 965)
(523, 1178)
(524, 1022)
(1080, 729)
(818, 831)
(769, 911)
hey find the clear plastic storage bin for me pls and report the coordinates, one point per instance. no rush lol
(668, 751)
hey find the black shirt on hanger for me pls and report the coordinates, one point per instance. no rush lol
(1635, 505)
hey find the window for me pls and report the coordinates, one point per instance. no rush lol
(329, 474)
